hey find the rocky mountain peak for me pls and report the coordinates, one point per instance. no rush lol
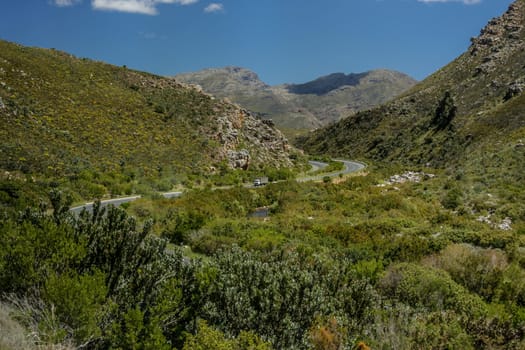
(326, 84)
(243, 74)
(500, 36)
(223, 81)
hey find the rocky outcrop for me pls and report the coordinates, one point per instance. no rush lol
(499, 38)
(514, 89)
(239, 159)
(504, 225)
(409, 176)
(245, 140)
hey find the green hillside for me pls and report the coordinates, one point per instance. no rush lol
(101, 128)
(468, 116)
(485, 85)
(422, 249)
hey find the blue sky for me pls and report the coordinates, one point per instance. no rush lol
(282, 40)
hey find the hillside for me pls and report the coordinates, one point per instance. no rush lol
(302, 106)
(424, 249)
(80, 121)
(464, 114)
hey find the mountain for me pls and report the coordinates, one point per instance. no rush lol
(463, 115)
(302, 106)
(82, 121)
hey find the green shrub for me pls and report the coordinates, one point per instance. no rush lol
(430, 288)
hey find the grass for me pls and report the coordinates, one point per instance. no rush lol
(14, 336)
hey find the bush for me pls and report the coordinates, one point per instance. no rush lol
(430, 288)
(79, 302)
(452, 199)
(479, 270)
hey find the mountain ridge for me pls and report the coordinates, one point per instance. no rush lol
(301, 106)
(483, 82)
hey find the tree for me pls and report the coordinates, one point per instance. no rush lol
(445, 111)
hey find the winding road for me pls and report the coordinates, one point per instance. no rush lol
(349, 167)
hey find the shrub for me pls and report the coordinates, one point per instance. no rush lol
(479, 270)
(430, 288)
(445, 111)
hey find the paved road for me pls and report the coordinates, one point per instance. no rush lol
(316, 165)
(349, 167)
(118, 201)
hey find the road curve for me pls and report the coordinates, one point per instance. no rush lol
(349, 167)
(317, 165)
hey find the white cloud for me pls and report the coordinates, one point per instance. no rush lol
(214, 7)
(65, 3)
(466, 2)
(180, 2)
(146, 7)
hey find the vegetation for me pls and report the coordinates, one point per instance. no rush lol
(100, 130)
(332, 266)
(445, 111)
(387, 259)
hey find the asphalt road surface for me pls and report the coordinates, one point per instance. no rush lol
(349, 167)
(118, 201)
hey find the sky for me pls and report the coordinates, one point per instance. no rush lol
(283, 41)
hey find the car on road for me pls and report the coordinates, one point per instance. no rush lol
(260, 181)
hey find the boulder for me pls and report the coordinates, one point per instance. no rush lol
(513, 90)
(239, 159)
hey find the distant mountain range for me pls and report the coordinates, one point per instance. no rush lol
(302, 106)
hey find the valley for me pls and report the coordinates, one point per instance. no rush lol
(395, 220)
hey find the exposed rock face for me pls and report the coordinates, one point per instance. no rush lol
(239, 159)
(245, 139)
(302, 106)
(514, 89)
(501, 36)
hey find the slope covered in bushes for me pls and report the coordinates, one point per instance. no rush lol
(106, 130)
